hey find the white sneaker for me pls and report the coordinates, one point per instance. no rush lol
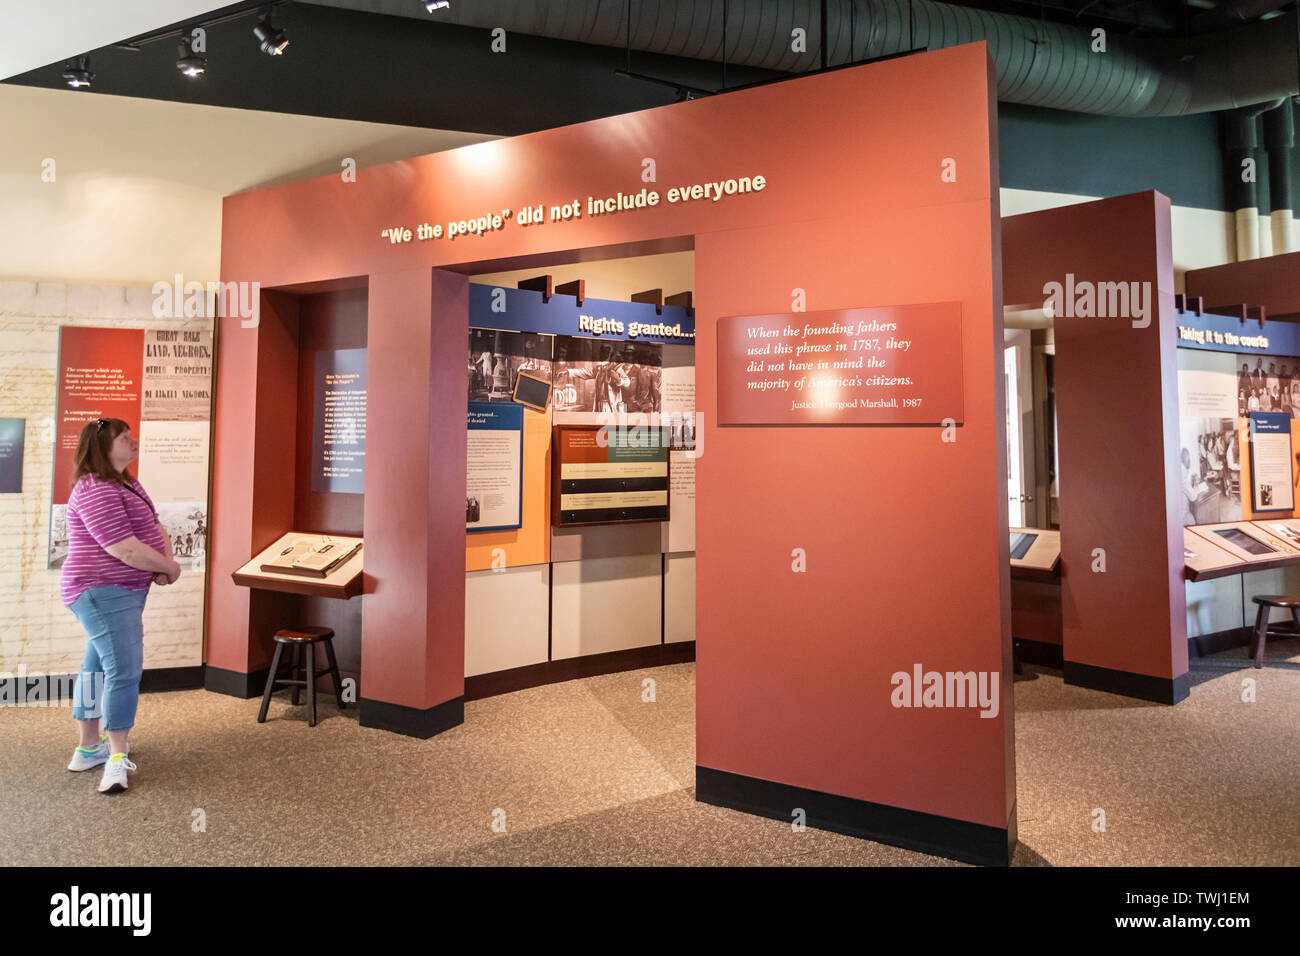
(84, 759)
(114, 779)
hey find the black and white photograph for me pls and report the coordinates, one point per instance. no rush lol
(1267, 385)
(496, 358)
(1210, 470)
(592, 375)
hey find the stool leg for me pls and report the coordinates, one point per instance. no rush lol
(334, 673)
(309, 673)
(293, 671)
(1261, 634)
(270, 683)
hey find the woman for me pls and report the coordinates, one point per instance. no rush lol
(116, 549)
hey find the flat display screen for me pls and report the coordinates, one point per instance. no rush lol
(1244, 541)
(1021, 543)
(533, 392)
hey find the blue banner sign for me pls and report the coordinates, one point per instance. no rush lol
(521, 310)
(1224, 333)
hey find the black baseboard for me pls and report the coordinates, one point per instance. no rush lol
(1208, 644)
(1161, 690)
(399, 719)
(171, 678)
(235, 683)
(593, 665)
(909, 829)
(1038, 652)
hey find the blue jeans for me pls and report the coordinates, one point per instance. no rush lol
(109, 683)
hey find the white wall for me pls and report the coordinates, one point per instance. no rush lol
(36, 630)
(111, 189)
(105, 228)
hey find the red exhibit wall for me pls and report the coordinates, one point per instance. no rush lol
(880, 189)
(1273, 282)
(252, 484)
(100, 376)
(904, 535)
(1124, 629)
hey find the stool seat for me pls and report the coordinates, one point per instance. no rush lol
(302, 642)
(303, 635)
(1278, 600)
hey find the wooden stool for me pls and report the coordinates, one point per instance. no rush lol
(302, 640)
(1262, 628)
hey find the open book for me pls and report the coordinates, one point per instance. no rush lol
(311, 557)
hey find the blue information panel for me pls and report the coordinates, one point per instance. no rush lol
(494, 467)
(1271, 478)
(11, 454)
(338, 446)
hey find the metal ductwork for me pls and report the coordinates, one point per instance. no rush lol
(1279, 142)
(1240, 164)
(1038, 63)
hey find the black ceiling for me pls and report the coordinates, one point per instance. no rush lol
(351, 65)
(416, 71)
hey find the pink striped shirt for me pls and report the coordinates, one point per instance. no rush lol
(100, 514)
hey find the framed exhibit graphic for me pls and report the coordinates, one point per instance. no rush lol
(494, 467)
(159, 381)
(1271, 479)
(890, 365)
(607, 475)
(303, 562)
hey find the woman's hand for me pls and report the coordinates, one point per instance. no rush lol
(165, 578)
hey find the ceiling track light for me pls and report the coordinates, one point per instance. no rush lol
(271, 37)
(76, 72)
(187, 61)
(433, 6)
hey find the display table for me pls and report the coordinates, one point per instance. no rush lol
(1235, 547)
(343, 581)
(1036, 595)
(1035, 554)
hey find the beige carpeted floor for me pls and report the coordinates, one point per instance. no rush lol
(586, 773)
